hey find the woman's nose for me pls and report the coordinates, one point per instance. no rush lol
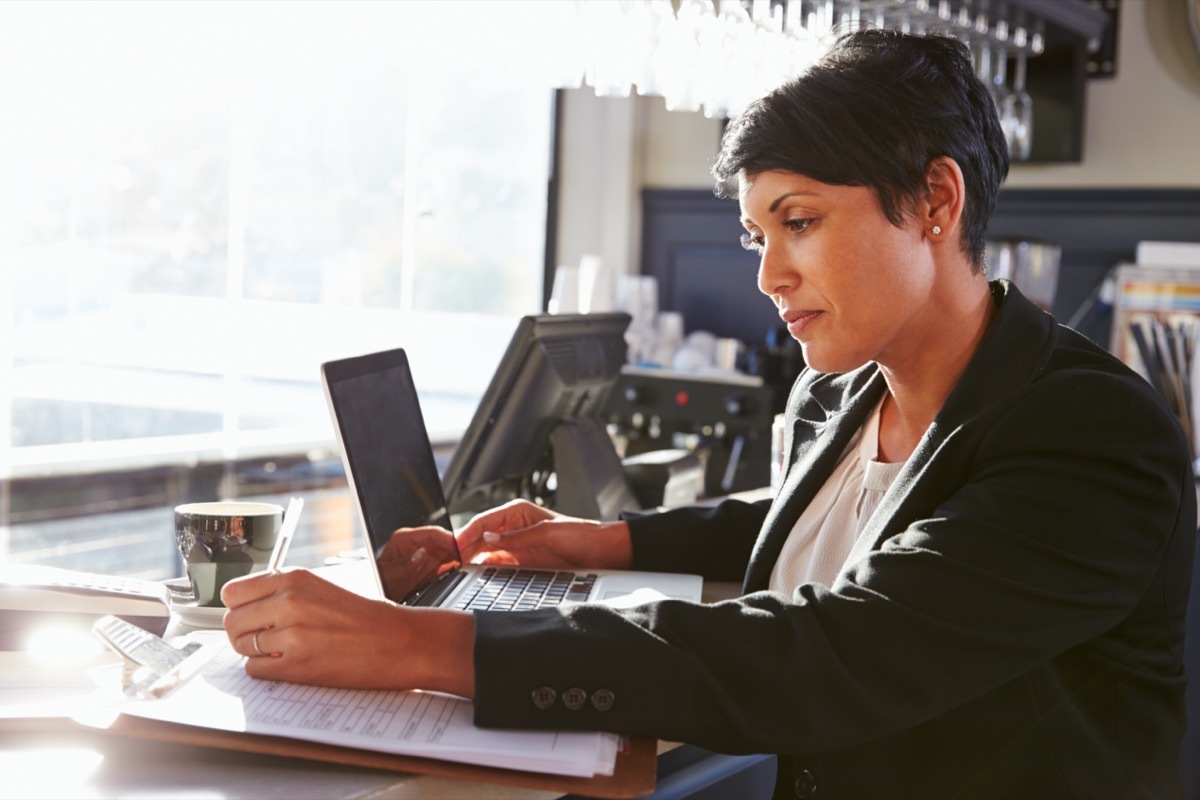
(775, 274)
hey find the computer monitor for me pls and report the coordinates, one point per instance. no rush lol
(538, 432)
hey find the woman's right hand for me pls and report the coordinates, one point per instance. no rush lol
(524, 533)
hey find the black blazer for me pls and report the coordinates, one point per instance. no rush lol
(1010, 624)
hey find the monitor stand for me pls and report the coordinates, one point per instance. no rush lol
(591, 481)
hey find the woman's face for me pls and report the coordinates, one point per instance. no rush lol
(848, 283)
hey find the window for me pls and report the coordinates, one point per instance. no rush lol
(200, 202)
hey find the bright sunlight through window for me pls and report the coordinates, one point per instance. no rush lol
(200, 202)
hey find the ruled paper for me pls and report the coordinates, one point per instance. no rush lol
(222, 696)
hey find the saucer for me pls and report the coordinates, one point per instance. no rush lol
(188, 612)
(198, 616)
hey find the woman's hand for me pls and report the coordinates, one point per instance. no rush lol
(521, 532)
(415, 556)
(299, 628)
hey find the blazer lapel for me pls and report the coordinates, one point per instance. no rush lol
(1011, 353)
(826, 411)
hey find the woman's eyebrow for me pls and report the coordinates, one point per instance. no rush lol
(774, 205)
(783, 197)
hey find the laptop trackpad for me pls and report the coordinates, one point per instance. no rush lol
(624, 599)
(625, 589)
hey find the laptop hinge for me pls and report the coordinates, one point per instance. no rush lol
(435, 592)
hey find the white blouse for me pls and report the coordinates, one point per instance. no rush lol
(817, 547)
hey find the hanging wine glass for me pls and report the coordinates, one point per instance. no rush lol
(679, 56)
(652, 20)
(851, 19)
(607, 69)
(998, 86)
(825, 16)
(981, 60)
(1019, 109)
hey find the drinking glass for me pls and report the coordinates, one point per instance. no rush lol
(1019, 109)
(998, 86)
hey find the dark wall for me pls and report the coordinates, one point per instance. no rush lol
(690, 243)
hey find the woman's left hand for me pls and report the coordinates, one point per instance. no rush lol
(415, 556)
(300, 628)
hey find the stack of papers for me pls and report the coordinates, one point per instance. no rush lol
(222, 696)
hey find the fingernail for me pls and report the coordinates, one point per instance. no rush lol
(418, 555)
(491, 537)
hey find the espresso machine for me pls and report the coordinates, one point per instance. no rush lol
(724, 419)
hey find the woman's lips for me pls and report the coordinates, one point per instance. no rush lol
(798, 321)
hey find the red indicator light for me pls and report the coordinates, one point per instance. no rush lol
(681, 398)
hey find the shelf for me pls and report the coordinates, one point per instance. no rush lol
(1077, 17)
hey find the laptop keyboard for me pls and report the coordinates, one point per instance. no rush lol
(515, 589)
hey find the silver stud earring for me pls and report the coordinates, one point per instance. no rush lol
(937, 230)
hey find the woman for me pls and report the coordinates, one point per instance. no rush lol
(973, 580)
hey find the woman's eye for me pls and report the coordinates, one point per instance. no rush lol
(753, 243)
(756, 243)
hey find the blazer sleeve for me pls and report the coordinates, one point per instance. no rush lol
(1052, 520)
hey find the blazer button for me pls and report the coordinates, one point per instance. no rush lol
(574, 699)
(544, 697)
(603, 699)
(805, 786)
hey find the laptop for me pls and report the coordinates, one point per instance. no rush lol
(395, 482)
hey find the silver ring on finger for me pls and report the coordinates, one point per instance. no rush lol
(258, 649)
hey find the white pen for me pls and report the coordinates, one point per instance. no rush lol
(291, 518)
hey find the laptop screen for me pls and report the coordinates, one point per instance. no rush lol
(390, 467)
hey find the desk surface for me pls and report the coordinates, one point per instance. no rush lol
(55, 758)
(82, 763)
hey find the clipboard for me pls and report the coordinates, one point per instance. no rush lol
(634, 775)
(160, 665)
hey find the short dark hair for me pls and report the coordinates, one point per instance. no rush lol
(875, 111)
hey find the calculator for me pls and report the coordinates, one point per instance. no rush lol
(33, 597)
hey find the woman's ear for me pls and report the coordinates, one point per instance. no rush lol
(942, 207)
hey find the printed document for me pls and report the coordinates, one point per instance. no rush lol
(222, 696)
